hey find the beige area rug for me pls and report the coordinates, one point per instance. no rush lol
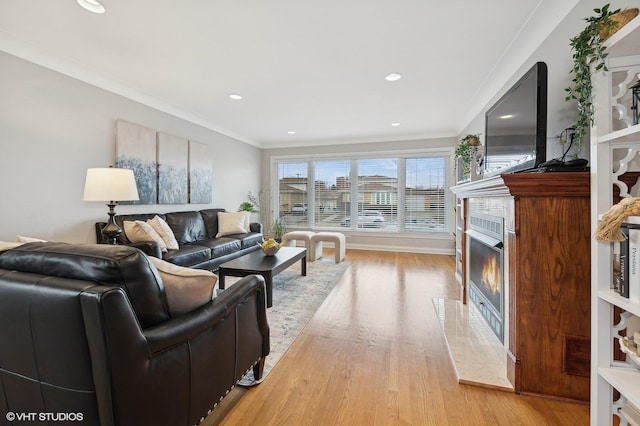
(295, 300)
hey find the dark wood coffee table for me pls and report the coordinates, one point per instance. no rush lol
(258, 263)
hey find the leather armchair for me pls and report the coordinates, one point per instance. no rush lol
(85, 329)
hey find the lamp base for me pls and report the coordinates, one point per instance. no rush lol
(111, 231)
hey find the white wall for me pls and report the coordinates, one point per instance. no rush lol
(442, 243)
(556, 52)
(53, 127)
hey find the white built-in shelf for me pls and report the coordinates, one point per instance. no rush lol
(630, 134)
(625, 379)
(612, 297)
(623, 42)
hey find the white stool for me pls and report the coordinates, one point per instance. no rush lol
(339, 242)
(313, 249)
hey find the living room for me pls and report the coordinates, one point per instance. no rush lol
(58, 115)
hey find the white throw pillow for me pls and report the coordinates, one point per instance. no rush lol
(140, 232)
(7, 245)
(165, 232)
(186, 288)
(21, 239)
(231, 223)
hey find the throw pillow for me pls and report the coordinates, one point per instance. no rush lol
(186, 288)
(7, 245)
(139, 232)
(21, 239)
(231, 223)
(165, 232)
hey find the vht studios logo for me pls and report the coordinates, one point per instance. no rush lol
(44, 417)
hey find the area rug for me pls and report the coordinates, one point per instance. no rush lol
(295, 300)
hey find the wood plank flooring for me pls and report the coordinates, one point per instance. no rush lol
(374, 354)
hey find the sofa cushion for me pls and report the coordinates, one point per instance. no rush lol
(221, 246)
(165, 232)
(187, 227)
(104, 264)
(249, 239)
(141, 232)
(232, 223)
(188, 255)
(186, 288)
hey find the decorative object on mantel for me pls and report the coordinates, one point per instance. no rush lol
(110, 185)
(589, 53)
(465, 154)
(609, 226)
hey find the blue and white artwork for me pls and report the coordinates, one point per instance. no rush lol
(200, 173)
(173, 163)
(136, 150)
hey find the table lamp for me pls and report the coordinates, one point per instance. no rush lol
(111, 185)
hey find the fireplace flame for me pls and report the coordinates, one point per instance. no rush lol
(491, 274)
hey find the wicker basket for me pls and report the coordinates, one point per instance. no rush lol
(618, 20)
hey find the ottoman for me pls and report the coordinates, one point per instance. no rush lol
(314, 251)
(337, 238)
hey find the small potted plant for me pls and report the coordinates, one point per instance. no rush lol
(279, 228)
(463, 154)
(589, 54)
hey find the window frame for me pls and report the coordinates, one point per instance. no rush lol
(442, 152)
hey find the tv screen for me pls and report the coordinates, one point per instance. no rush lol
(516, 126)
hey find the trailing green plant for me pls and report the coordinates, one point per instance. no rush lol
(589, 54)
(465, 149)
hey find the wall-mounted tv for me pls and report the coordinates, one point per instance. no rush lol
(516, 125)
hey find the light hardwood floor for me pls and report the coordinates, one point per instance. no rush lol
(374, 354)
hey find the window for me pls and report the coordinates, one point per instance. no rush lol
(292, 192)
(401, 194)
(424, 194)
(331, 192)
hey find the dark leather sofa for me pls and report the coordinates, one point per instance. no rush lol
(85, 329)
(196, 233)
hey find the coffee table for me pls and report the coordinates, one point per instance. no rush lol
(258, 263)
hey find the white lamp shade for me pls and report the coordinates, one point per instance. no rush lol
(110, 184)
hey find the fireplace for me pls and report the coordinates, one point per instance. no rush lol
(486, 271)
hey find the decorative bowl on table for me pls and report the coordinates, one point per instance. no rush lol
(270, 246)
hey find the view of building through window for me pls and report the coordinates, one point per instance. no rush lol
(391, 194)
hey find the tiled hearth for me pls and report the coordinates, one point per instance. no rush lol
(479, 358)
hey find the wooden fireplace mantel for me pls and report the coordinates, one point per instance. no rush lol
(575, 184)
(547, 250)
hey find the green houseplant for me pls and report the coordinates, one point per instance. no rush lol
(464, 152)
(589, 54)
(279, 228)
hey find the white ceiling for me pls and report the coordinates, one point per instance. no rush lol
(314, 67)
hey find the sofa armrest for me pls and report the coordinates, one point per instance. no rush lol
(255, 227)
(181, 329)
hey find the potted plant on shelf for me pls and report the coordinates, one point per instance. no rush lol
(463, 154)
(589, 54)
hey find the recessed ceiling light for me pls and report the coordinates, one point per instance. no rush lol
(506, 116)
(393, 76)
(92, 5)
(395, 124)
(235, 96)
(292, 132)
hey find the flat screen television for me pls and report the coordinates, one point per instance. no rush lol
(516, 126)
